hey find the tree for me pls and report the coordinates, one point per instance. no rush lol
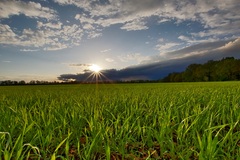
(223, 70)
(22, 82)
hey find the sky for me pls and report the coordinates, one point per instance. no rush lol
(53, 40)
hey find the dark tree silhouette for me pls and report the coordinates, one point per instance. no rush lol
(227, 69)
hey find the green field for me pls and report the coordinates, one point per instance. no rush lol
(121, 121)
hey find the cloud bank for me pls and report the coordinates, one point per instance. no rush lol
(177, 61)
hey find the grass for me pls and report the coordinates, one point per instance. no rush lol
(121, 121)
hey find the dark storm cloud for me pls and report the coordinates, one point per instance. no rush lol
(152, 70)
(140, 72)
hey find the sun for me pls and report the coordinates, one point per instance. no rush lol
(95, 68)
(96, 74)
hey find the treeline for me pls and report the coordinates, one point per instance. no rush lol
(227, 69)
(22, 82)
(33, 82)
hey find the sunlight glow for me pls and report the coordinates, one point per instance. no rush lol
(96, 75)
(95, 68)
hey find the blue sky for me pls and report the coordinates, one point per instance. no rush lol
(129, 39)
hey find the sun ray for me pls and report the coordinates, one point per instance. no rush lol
(96, 75)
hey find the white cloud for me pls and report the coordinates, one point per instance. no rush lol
(166, 46)
(93, 34)
(29, 9)
(83, 18)
(52, 25)
(228, 29)
(29, 50)
(115, 12)
(36, 38)
(138, 57)
(135, 25)
(161, 40)
(85, 4)
(7, 35)
(192, 40)
(106, 50)
(204, 49)
(163, 20)
(213, 15)
(88, 26)
(48, 38)
(231, 44)
(219, 19)
(6, 61)
(56, 46)
(184, 38)
(109, 60)
(79, 65)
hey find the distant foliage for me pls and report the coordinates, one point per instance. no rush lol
(227, 69)
(22, 82)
